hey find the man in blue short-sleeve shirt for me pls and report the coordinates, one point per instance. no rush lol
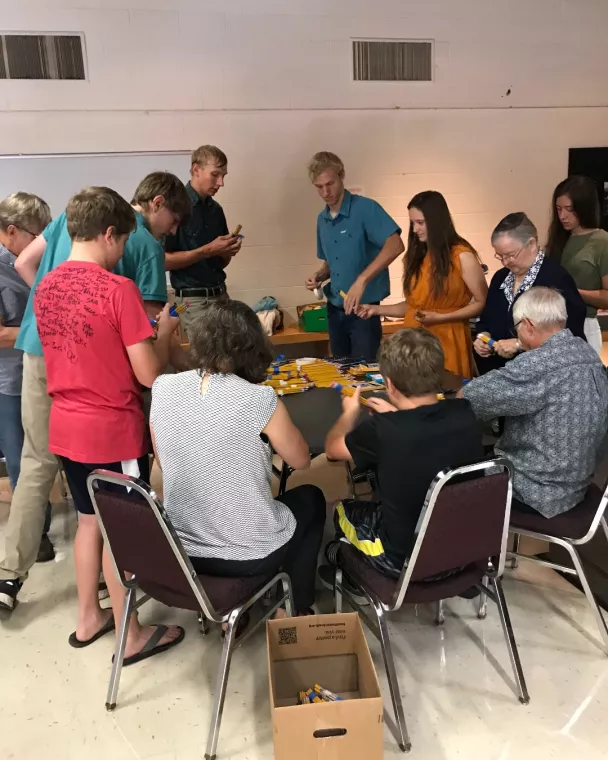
(356, 240)
(161, 203)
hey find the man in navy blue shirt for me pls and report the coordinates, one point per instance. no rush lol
(356, 241)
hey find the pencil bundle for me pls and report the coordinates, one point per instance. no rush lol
(348, 390)
(174, 311)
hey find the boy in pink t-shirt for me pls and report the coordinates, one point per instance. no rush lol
(99, 350)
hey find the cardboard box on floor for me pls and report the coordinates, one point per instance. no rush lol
(329, 650)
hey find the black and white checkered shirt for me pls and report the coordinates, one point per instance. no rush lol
(216, 468)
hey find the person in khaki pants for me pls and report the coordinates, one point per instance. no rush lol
(161, 203)
(22, 219)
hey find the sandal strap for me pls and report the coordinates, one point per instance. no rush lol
(152, 642)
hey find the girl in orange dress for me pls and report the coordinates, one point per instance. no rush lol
(443, 282)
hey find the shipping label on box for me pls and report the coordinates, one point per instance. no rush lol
(331, 651)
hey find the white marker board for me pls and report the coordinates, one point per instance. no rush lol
(56, 177)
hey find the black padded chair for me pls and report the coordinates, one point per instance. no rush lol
(461, 541)
(141, 541)
(569, 530)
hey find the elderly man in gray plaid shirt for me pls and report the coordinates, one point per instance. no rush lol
(554, 398)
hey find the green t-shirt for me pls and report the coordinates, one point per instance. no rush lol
(586, 258)
(143, 262)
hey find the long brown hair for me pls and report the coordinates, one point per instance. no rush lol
(583, 194)
(441, 238)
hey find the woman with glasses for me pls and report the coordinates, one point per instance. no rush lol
(22, 219)
(577, 243)
(443, 282)
(524, 265)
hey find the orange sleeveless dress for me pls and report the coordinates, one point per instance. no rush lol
(455, 337)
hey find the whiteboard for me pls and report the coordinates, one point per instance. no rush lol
(56, 177)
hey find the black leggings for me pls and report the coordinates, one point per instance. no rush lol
(298, 557)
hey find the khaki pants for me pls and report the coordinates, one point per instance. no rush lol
(38, 472)
(195, 307)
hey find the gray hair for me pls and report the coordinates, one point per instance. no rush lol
(544, 307)
(518, 226)
(25, 211)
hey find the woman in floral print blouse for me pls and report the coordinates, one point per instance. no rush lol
(524, 265)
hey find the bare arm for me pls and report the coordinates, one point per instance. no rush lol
(392, 310)
(597, 298)
(475, 280)
(392, 248)
(154, 448)
(29, 260)
(320, 276)
(335, 443)
(8, 335)
(149, 358)
(287, 440)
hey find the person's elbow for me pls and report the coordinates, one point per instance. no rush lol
(147, 378)
(399, 244)
(479, 306)
(336, 451)
(147, 372)
(25, 270)
(300, 459)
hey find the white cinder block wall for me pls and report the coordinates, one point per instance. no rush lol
(270, 82)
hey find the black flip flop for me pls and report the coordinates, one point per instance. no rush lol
(77, 643)
(151, 647)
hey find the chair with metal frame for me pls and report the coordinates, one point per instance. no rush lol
(461, 541)
(569, 530)
(141, 541)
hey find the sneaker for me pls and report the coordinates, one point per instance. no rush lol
(46, 551)
(327, 575)
(8, 594)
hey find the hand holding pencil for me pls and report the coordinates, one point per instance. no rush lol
(168, 320)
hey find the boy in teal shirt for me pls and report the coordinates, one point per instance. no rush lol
(161, 203)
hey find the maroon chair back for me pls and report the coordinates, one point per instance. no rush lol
(142, 541)
(466, 523)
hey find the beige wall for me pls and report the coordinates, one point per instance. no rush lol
(270, 82)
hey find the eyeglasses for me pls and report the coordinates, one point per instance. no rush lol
(33, 234)
(514, 328)
(517, 324)
(510, 256)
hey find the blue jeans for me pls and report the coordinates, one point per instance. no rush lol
(352, 337)
(11, 443)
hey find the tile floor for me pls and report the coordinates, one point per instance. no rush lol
(456, 681)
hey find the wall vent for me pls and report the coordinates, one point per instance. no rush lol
(42, 56)
(392, 61)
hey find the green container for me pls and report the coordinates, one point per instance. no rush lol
(313, 318)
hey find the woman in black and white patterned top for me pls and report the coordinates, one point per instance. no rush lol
(213, 429)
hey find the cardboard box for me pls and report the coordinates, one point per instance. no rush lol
(329, 650)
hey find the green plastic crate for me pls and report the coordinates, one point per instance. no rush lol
(313, 317)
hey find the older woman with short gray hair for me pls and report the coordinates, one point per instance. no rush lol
(554, 398)
(524, 265)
